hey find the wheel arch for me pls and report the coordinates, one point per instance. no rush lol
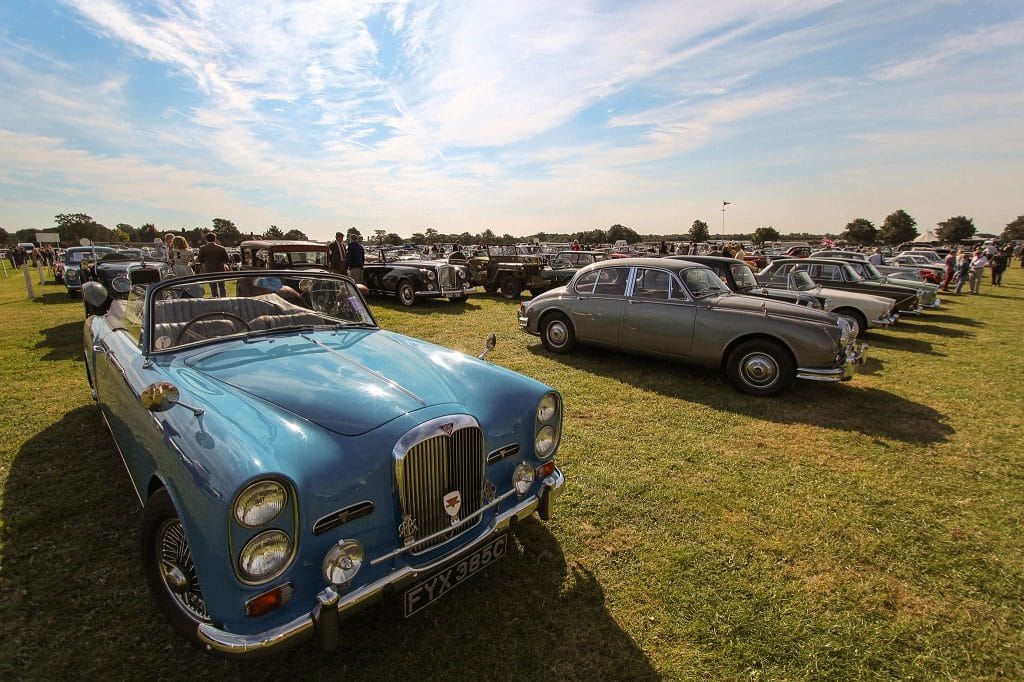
(757, 336)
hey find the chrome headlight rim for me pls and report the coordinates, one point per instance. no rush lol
(259, 545)
(523, 477)
(844, 332)
(545, 443)
(254, 495)
(547, 408)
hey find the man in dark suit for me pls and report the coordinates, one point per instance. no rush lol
(356, 257)
(213, 257)
(339, 254)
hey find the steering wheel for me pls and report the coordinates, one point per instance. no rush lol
(230, 317)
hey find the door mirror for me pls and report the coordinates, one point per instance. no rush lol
(159, 397)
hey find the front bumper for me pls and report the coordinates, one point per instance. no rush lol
(322, 621)
(853, 356)
(886, 321)
(442, 293)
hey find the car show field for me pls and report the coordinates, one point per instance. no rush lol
(869, 528)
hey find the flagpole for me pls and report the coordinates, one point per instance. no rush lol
(724, 204)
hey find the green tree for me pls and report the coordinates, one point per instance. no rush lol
(1014, 230)
(379, 236)
(131, 232)
(431, 235)
(147, 233)
(393, 239)
(591, 237)
(297, 235)
(226, 231)
(898, 227)
(699, 231)
(418, 238)
(956, 229)
(5, 238)
(486, 237)
(353, 231)
(860, 232)
(617, 232)
(766, 234)
(118, 235)
(273, 232)
(73, 226)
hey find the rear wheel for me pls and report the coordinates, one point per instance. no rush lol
(760, 367)
(511, 288)
(556, 333)
(406, 293)
(168, 567)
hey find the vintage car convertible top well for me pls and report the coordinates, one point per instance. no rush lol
(294, 461)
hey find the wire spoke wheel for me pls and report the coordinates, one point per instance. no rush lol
(178, 571)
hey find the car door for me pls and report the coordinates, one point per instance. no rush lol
(597, 309)
(658, 316)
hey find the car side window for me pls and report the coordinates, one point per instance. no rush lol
(829, 273)
(652, 285)
(585, 284)
(780, 275)
(611, 281)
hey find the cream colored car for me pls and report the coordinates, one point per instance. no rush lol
(866, 311)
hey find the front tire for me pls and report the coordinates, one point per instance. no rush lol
(168, 567)
(557, 334)
(511, 288)
(760, 367)
(406, 293)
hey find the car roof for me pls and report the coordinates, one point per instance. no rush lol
(645, 262)
(267, 243)
(709, 259)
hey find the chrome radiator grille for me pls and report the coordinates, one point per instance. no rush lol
(431, 470)
(446, 277)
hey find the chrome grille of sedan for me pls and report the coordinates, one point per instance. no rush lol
(430, 471)
(446, 277)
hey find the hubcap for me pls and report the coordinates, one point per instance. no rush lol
(178, 570)
(759, 369)
(556, 333)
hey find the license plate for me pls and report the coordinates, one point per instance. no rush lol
(441, 583)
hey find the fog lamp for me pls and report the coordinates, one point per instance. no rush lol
(522, 478)
(342, 562)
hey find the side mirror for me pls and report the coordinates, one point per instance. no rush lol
(491, 342)
(159, 397)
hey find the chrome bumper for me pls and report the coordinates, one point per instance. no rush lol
(444, 293)
(885, 321)
(935, 304)
(854, 356)
(330, 607)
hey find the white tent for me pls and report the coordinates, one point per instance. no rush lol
(927, 237)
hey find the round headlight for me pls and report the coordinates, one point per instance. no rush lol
(544, 445)
(547, 408)
(265, 555)
(844, 331)
(462, 274)
(342, 562)
(121, 284)
(522, 478)
(431, 275)
(260, 503)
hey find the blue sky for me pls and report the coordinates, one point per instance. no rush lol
(514, 116)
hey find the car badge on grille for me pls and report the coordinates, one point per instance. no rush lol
(448, 428)
(452, 505)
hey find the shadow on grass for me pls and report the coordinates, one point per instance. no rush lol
(844, 406)
(904, 343)
(57, 298)
(944, 318)
(73, 597)
(928, 326)
(63, 342)
(425, 306)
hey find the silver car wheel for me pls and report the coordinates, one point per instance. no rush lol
(178, 571)
(759, 370)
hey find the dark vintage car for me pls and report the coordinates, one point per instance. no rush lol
(839, 274)
(564, 265)
(116, 271)
(682, 310)
(295, 462)
(77, 258)
(503, 269)
(281, 254)
(413, 279)
(738, 276)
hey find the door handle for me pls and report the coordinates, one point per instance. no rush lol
(97, 348)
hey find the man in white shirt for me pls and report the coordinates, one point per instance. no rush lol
(876, 257)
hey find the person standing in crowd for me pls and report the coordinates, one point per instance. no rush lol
(876, 259)
(339, 255)
(978, 265)
(356, 257)
(168, 239)
(998, 263)
(575, 246)
(181, 257)
(213, 257)
(950, 263)
(963, 270)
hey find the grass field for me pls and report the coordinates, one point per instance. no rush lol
(873, 529)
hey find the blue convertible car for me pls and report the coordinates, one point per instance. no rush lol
(294, 461)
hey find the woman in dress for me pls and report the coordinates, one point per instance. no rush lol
(180, 257)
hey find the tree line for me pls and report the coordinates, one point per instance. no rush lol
(898, 227)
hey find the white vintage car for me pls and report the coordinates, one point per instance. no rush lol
(866, 311)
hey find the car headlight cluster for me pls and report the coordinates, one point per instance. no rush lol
(268, 553)
(431, 275)
(549, 425)
(845, 331)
